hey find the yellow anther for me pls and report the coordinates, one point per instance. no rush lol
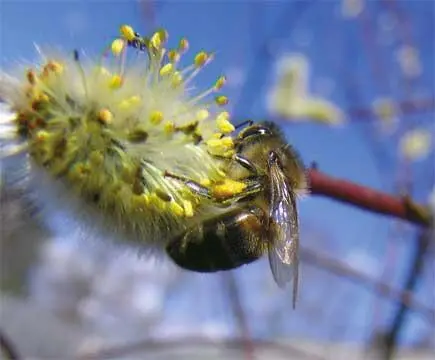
(201, 58)
(127, 32)
(176, 208)
(227, 141)
(166, 69)
(105, 116)
(224, 124)
(156, 201)
(41, 135)
(156, 117)
(156, 40)
(115, 82)
(183, 45)
(202, 114)
(221, 100)
(42, 97)
(188, 208)
(140, 201)
(169, 127)
(205, 182)
(163, 35)
(31, 77)
(177, 79)
(117, 46)
(129, 103)
(173, 56)
(220, 82)
(54, 66)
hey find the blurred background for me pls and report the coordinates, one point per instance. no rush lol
(352, 83)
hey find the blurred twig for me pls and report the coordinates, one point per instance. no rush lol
(156, 345)
(405, 298)
(420, 250)
(239, 313)
(369, 199)
(7, 347)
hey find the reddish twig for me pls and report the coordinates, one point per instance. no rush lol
(368, 199)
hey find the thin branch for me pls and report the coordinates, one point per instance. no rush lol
(338, 268)
(7, 348)
(195, 342)
(420, 250)
(368, 199)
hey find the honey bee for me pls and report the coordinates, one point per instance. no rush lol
(261, 218)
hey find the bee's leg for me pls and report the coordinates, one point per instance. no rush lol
(191, 184)
(248, 165)
(253, 187)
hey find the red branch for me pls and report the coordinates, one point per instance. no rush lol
(368, 199)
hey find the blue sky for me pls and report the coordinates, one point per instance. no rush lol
(237, 30)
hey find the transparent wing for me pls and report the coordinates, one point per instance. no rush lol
(284, 231)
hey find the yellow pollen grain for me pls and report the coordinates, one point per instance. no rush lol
(220, 82)
(127, 32)
(202, 114)
(141, 201)
(223, 123)
(156, 40)
(31, 77)
(205, 182)
(221, 100)
(201, 58)
(228, 188)
(183, 45)
(188, 208)
(169, 127)
(156, 117)
(55, 67)
(156, 201)
(117, 46)
(130, 103)
(115, 82)
(163, 35)
(177, 79)
(166, 69)
(176, 208)
(105, 116)
(41, 136)
(173, 56)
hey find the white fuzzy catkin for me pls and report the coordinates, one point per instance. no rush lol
(99, 136)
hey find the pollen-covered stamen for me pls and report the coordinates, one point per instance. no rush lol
(223, 123)
(105, 117)
(156, 117)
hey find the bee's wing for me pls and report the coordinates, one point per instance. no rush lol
(284, 231)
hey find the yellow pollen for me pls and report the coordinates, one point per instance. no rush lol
(176, 208)
(173, 56)
(221, 100)
(115, 82)
(169, 127)
(127, 32)
(183, 45)
(54, 66)
(220, 82)
(117, 46)
(156, 40)
(202, 115)
(105, 116)
(223, 123)
(228, 188)
(166, 69)
(188, 208)
(205, 182)
(129, 103)
(201, 58)
(156, 117)
(42, 135)
(177, 79)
